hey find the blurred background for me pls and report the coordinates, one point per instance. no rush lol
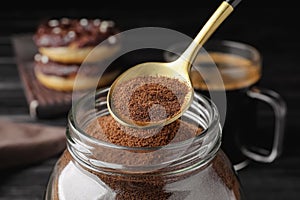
(270, 27)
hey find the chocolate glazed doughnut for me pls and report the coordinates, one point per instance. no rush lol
(64, 44)
(61, 77)
(71, 40)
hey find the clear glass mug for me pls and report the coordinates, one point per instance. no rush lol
(239, 66)
(94, 169)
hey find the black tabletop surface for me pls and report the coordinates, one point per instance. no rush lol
(271, 28)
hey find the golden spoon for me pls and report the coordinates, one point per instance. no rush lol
(178, 69)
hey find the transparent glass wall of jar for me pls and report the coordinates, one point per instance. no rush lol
(193, 169)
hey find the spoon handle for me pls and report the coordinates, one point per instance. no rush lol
(208, 29)
(233, 3)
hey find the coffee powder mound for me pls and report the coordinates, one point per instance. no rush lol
(149, 99)
(107, 129)
(149, 144)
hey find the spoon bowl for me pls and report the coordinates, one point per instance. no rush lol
(178, 69)
(154, 69)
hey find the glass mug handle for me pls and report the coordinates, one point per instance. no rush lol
(279, 107)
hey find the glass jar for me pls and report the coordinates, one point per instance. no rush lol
(195, 168)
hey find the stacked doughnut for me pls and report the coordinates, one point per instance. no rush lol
(64, 44)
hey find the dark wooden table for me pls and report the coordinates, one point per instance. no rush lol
(269, 28)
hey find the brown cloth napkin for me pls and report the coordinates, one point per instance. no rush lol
(26, 143)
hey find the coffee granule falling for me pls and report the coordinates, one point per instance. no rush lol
(149, 99)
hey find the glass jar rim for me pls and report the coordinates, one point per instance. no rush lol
(213, 124)
(100, 155)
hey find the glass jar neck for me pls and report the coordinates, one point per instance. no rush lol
(101, 156)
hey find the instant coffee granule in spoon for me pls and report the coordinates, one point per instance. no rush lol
(149, 99)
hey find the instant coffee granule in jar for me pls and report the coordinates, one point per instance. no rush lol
(106, 160)
(107, 129)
